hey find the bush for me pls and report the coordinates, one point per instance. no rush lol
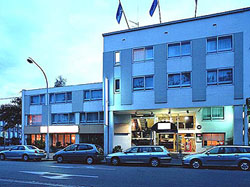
(117, 148)
(40, 144)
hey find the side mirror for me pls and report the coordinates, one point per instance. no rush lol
(207, 153)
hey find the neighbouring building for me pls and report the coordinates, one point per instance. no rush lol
(75, 115)
(181, 84)
(11, 135)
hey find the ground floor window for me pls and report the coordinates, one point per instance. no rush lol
(213, 139)
(36, 139)
(92, 138)
(62, 140)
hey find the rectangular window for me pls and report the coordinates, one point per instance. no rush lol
(83, 117)
(96, 94)
(69, 96)
(220, 76)
(185, 48)
(92, 117)
(117, 85)
(101, 117)
(63, 118)
(179, 79)
(213, 113)
(87, 95)
(117, 57)
(213, 139)
(60, 97)
(34, 119)
(143, 83)
(174, 50)
(220, 43)
(37, 99)
(142, 54)
(179, 49)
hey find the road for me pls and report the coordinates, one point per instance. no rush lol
(49, 173)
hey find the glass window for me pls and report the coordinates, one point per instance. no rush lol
(21, 148)
(229, 150)
(211, 45)
(157, 149)
(138, 54)
(72, 118)
(211, 77)
(101, 116)
(117, 85)
(173, 50)
(213, 139)
(71, 148)
(145, 149)
(138, 83)
(34, 119)
(217, 112)
(34, 99)
(186, 79)
(52, 98)
(173, 80)
(82, 147)
(117, 57)
(225, 76)
(206, 113)
(92, 117)
(87, 95)
(214, 150)
(225, 43)
(82, 117)
(185, 48)
(96, 94)
(69, 96)
(60, 97)
(42, 99)
(149, 83)
(133, 150)
(149, 53)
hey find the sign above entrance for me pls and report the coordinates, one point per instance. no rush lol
(164, 126)
(60, 129)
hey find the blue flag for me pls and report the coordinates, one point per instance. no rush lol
(119, 13)
(153, 7)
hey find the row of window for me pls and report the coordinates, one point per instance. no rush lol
(178, 49)
(182, 79)
(65, 97)
(68, 118)
(213, 113)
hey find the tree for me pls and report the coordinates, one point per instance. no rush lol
(11, 114)
(60, 81)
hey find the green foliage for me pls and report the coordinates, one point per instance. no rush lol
(60, 81)
(117, 148)
(40, 144)
(11, 113)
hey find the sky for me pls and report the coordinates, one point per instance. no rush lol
(65, 36)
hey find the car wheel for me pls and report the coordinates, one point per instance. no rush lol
(115, 161)
(89, 160)
(196, 164)
(154, 162)
(25, 158)
(2, 157)
(59, 159)
(244, 165)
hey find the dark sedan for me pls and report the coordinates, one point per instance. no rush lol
(87, 153)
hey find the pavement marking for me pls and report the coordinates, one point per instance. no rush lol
(57, 176)
(39, 183)
(88, 167)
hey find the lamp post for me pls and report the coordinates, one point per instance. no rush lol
(31, 61)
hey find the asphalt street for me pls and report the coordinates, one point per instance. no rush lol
(49, 173)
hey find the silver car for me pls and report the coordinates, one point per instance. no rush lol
(153, 155)
(235, 156)
(24, 152)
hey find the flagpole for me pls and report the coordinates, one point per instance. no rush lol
(125, 16)
(196, 2)
(158, 2)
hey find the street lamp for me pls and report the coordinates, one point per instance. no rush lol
(31, 61)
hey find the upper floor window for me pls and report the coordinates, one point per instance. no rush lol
(34, 119)
(117, 85)
(179, 49)
(179, 79)
(142, 54)
(63, 118)
(37, 99)
(117, 57)
(220, 76)
(92, 94)
(92, 117)
(142, 83)
(220, 43)
(213, 113)
(60, 97)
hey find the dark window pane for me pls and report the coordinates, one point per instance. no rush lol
(206, 113)
(69, 96)
(117, 85)
(96, 94)
(212, 45)
(149, 82)
(42, 99)
(34, 99)
(174, 50)
(86, 95)
(225, 43)
(173, 80)
(211, 77)
(60, 98)
(92, 117)
(185, 48)
(82, 117)
(186, 79)
(138, 83)
(51, 98)
(226, 76)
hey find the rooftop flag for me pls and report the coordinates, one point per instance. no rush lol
(196, 2)
(119, 13)
(153, 7)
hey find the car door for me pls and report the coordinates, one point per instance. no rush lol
(213, 157)
(231, 156)
(81, 152)
(11, 152)
(70, 153)
(130, 155)
(144, 154)
(20, 152)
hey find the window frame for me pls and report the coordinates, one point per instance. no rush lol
(66, 100)
(117, 63)
(217, 43)
(68, 121)
(180, 51)
(144, 83)
(218, 70)
(115, 89)
(36, 123)
(85, 121)
(39, 98)
(211, 114)
(90, 95)
(181, 85)
(144, 54)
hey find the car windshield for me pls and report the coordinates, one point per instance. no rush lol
(31, 147)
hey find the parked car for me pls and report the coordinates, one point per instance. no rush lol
(236, 156)
(153, 155)
(88, 153)
(24, 152)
